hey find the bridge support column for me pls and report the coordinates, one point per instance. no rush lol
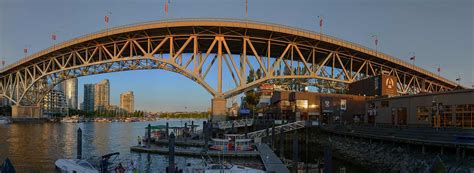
(26, 112)
(218, 109)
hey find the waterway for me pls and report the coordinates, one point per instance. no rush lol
(34, 147)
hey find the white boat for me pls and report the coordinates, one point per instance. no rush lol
(209, 166)
(83, 166)
(74, 165)
(72, 119)
(222, 168)
(4, 120)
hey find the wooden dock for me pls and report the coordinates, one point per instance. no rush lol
(194, 152)
(182, 142)
(270, 160)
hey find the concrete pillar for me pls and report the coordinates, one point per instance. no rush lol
(26, 112)
(218, 109)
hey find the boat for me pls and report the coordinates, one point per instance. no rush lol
(82, 165)
(71, 119)
(231, 142)
(74, 165)
(4, 120)
(209, 166)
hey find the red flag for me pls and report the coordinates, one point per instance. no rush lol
(53, 36)
(413, 58)
(166, 7)
(439, 69)
(3, 62)
(376, 41)
(106, 19)
(25, 50)
(321, 22)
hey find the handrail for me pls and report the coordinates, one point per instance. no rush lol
(323, 37)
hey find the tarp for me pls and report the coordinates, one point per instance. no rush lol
(7, 167)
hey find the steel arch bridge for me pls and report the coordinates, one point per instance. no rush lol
(192, 47)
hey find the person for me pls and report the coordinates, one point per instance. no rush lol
(120, 169)
(139, 140)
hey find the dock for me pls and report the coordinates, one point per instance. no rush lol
(194, 152)
(182, 142)
(270, 160)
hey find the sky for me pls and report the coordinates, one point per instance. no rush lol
(438, 32)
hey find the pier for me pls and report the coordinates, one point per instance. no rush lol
(270, 160)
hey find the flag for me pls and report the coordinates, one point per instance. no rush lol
(25, 50)
(412, 58)
(321, 22)
(439, 69)
(246, 8)
(166, 7)
(458, 79)
(53, 36)
(3, 62)
(106, 19)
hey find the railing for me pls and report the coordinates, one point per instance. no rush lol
(237, 123)
(285, 127)
(322, 37)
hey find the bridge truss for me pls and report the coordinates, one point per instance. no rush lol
(231, 50)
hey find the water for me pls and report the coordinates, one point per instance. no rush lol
(35, 147)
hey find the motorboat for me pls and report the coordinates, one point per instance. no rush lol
(82, 165)
(74, 165)
(71, 119)
(209, 166)
(4, 120)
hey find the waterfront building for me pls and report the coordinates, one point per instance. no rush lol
(127, 101)
(89, 92)
(54, 104)
(69, 87)
(290, 105)
(444, 109)
(102, 95)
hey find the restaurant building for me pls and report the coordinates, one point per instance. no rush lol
(445, 109)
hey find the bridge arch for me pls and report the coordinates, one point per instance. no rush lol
(191, 47)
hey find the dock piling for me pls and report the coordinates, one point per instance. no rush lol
(295, 152)
(327, 158)
(282, 141)
(148, 139)
(171, 155)
(79, 143)
(167, 130)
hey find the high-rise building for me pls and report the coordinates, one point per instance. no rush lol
(54, 104)
(88, 104)
(69, 88)
(102, 95)
(127, 101)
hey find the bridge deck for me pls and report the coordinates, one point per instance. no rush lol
(271, 162)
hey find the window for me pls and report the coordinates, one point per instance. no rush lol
(384, 104)
(302, 104)
(422, 113)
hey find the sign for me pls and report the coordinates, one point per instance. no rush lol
(326, 104)
(343, 104)
(389, 83)
(266, 87)
(244, 111)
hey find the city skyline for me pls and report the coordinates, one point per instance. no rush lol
(400, 35)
